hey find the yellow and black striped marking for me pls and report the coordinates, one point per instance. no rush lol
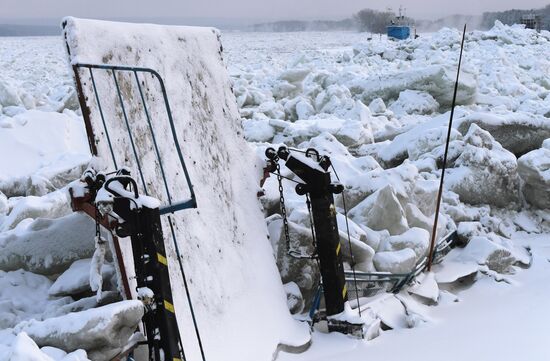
(169, 307)
(162, 259)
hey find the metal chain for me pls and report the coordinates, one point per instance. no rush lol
(287, 233)
(290, 252)
(286, 229)
(313, 236)
(97, 229)
(283, 207)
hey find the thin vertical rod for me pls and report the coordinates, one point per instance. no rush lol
(154, 138)
(102, 117)
(168, 110)
(186, 287)
(351, 254)
(129, 131)
(440, 192)
(174, 135)
(349, 245)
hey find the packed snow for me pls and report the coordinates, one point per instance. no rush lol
(379, 109)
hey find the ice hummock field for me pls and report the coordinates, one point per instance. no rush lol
(379, 109)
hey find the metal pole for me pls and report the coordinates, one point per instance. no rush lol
(440, 192)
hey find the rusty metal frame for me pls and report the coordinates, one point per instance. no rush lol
(83, 204)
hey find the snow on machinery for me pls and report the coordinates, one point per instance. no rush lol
(114, 203)
(130, 121)
(196, 135)
(337, 284)
(318, 187)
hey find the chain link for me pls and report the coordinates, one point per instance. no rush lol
(289, 249)
(314, 240)
(283, 207)
(97, 221)
(100, 240)
(313, 236)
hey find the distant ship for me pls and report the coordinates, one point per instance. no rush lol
(399, 29)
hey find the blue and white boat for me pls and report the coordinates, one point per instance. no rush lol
(399, 29)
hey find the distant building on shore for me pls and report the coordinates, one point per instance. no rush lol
(532, 21)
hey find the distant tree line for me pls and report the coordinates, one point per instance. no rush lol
(299, 25)
(374, 21)
(365, 20)
(514, 16)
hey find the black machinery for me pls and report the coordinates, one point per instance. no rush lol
(126, 216)
(114, 202)
(319, 190)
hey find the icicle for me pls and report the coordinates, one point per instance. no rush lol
(96, 278)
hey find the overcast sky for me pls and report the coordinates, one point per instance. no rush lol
(246, 9)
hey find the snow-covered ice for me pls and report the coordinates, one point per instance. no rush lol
(487, 321)
(380, 109)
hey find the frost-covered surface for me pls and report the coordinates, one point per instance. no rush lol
(46, 149)
(534, 168)
(227, 259)
(41, 135)
(47, 246)
(380, 110)
(76, 278)
(102, 331)
(475, 325)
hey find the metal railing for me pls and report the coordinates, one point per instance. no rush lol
(172, 205)
(371, 283)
